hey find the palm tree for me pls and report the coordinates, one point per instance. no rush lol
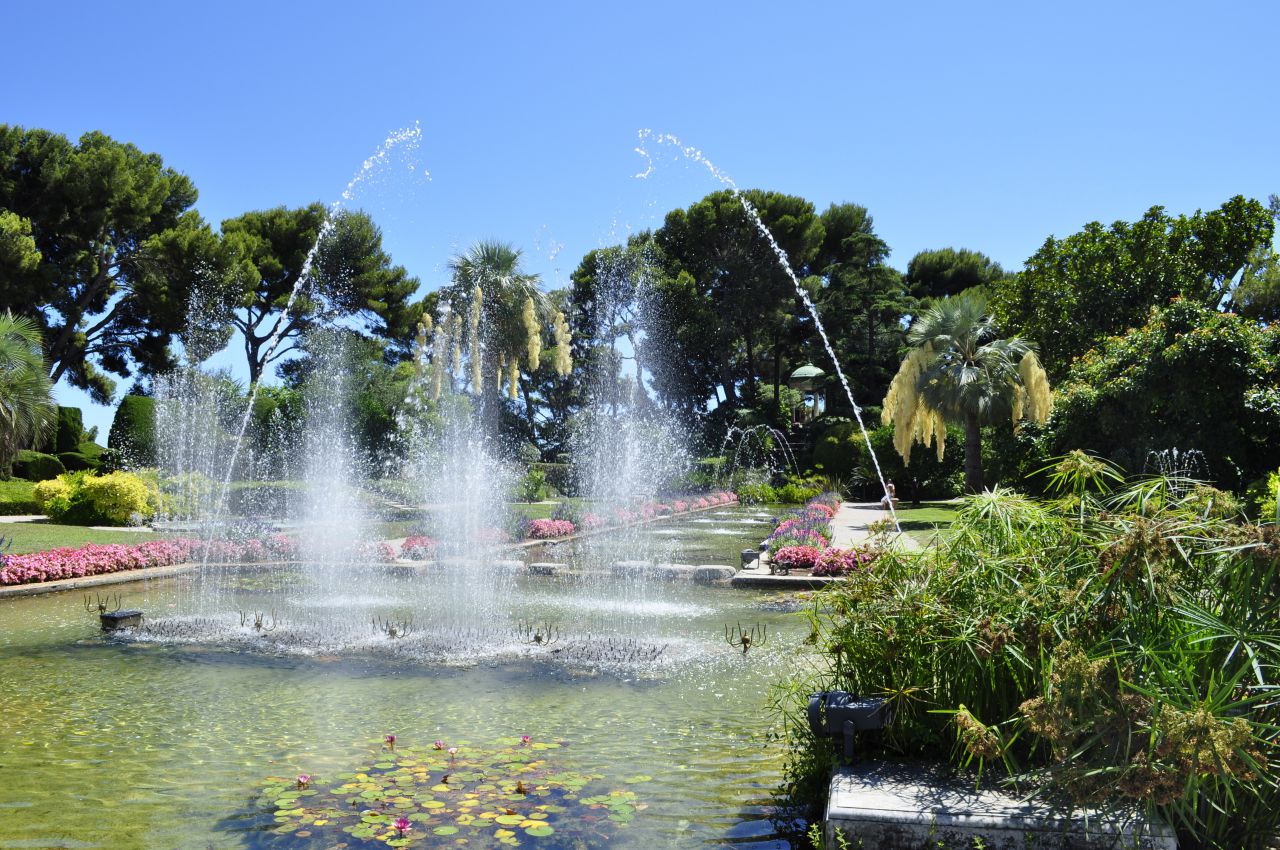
(958, 372)
(27, 411)
(496, 315)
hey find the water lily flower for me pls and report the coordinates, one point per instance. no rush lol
(524, 739)
(453, 751)
(304, 779)
(438, 745)
(402, 825)
(391, 742)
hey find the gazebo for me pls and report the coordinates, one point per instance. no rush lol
(810, 380)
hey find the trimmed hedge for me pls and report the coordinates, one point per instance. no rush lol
(70, 429)
(37, 466)
(133, 430)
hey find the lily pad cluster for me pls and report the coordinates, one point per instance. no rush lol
(511, 794)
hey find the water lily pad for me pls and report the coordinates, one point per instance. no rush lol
(539, 831)
(445, 830)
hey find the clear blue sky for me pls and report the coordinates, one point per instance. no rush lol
(980, 125)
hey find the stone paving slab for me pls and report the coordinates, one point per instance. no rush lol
(906, 807)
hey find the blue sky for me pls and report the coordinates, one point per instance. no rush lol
(980, 125)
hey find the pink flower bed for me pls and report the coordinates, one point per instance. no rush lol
(418, 548)
(841, 562)
(543, 529)
(97, 559)
(797, 557)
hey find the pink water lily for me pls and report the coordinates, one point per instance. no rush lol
(402, 825)
(524, 739)
(453, 751)
(304, 779)
(391, 741)
(438, 745)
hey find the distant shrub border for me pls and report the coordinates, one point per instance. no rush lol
(98, 559)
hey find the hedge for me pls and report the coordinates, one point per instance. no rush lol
(133, 430)
(37, 466)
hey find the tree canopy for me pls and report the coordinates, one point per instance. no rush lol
(1103, 280)
(265, 254)
(109, 286)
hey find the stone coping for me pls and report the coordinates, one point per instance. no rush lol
(892, 806)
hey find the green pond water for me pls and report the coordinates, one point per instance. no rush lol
(126, 744)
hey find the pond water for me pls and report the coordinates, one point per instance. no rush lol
(167, 742)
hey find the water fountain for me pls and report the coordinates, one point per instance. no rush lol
(238, 673)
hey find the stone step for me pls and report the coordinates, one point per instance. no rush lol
(906, 807)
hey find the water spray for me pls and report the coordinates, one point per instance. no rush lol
(697, 156)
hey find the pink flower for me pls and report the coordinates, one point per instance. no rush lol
(453, 751)
(304, 779)
(402, 825)
(542, 529)
(391, 741)
(438, 745)
(524, 739)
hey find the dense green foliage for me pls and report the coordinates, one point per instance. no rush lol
(1102, 281)
(1190, 377)
(1112, 647)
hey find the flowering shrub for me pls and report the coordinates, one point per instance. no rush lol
(543, 529)
(418, 548)
(797, 557)
(97, 559)
(118, 498)
(809, 526)
(841, 562)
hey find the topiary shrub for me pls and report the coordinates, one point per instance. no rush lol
(118, 498)
(133, 430)
(70, 431)
(37, 466)
(76, 462)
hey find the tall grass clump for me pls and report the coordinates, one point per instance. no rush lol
(1110, 647)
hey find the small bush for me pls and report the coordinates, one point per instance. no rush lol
(798, 491)
(118, 498)
(533, 487)
(37, 466)
(756, 493)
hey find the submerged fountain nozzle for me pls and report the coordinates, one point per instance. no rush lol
(393, 628)
(260, 621)
(841, 715)
(103, 603)
(540, 634)
(746, 638)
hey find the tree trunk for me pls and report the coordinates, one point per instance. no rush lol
(972, 454)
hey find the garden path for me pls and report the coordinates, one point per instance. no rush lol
(849, 527)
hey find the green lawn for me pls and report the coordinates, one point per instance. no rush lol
(38, 536)
(16, 497)
(925, 523)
